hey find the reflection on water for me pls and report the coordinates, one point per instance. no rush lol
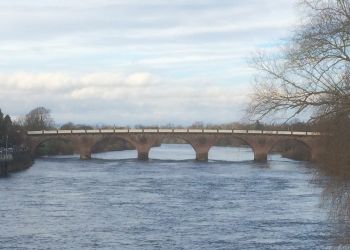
(106, 203)
(120, 155)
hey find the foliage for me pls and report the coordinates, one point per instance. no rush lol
(5, 125)
(70, 125)
(8, 131)
(55, 147)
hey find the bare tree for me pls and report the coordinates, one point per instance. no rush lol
(38, 119)
(313, 70)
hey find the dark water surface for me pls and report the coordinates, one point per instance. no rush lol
(65, 203)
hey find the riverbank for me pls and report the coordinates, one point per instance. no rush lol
(21, 161)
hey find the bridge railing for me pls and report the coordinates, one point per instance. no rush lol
(167, 131)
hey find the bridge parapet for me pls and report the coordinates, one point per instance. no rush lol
(175, 131)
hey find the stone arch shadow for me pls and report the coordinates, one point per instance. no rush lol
(292, 148)
(38, 143)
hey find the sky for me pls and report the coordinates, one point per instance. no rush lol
(128, 62)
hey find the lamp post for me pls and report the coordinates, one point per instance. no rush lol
(7, 137)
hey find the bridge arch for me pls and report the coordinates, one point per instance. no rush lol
(113, 143)
(38, 143)
(293, 148)
(232, 148)
(173, 147)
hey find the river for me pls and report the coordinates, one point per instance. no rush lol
(169, 202)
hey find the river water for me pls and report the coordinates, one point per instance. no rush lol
(170, 202)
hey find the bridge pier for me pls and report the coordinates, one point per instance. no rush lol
(260, 156)
(260, 152)
(142, 156)
(85, 154)
(202, 156)
(3, 169)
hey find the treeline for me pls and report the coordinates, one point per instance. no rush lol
(40, 119)
(294, 125)
(10, 133)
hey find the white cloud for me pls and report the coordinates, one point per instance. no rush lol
(36, 82)
(63, 82)
(154, 60)
(109, 95)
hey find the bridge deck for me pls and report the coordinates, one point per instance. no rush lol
(167, 131)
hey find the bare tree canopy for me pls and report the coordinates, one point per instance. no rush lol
(313, 70)
(38, 119)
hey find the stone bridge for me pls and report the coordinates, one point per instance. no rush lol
(201, 140)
